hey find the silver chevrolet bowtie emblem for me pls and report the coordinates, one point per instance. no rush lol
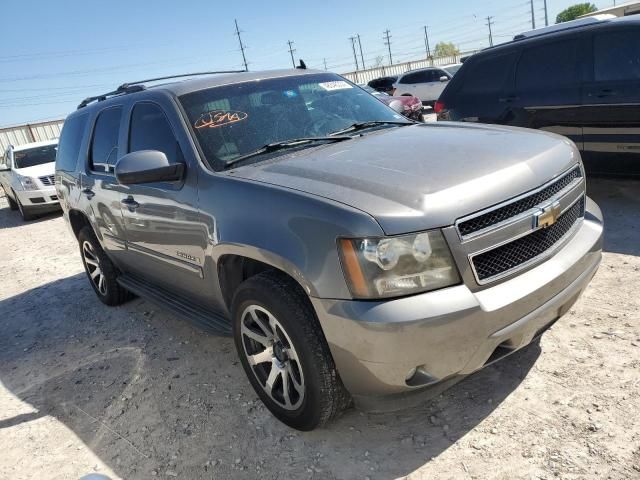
(546, 216)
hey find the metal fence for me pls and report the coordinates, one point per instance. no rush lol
(30, 132)
(364, 76)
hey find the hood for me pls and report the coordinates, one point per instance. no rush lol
(423, 176)
(37, 170)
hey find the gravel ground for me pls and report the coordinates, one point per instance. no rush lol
(134, 392)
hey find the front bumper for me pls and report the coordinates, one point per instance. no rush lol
(44, 199)
(450, 333)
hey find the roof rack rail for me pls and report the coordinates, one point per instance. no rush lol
(580, 22)
(137, 86)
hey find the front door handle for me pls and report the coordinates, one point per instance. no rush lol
(88, 193)
(509, 99)
(130, 203)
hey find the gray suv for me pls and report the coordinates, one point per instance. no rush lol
(354, 255)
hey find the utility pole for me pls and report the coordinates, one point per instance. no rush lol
(242, 47)
(324, 60)
(387, 42)
(489, 23)
(533, 17)
(426, 42)
(291, 50)
(546, 14)
(353, 47)
(361, 56)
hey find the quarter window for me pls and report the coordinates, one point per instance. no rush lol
(549, 65)
(104, 146)
(70, 141)
(150, 130)
(617, 56)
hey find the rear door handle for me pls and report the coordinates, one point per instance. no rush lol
(88, 193)
(130, 203)
(606, 93)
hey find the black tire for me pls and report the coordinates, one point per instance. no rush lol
(12, 203)
(324, 396)
(24, 212)
(109, 292)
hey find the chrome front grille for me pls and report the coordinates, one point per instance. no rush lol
(48, 180)
(505, 212)
(510, 236)
(525, 249)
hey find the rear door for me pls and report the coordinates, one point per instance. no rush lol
(165, 238)
(548, 83)
(611, 103)
(100, 193)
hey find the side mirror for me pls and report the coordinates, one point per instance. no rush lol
(147, 166)
(444, 78)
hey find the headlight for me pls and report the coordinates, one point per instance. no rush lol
(28, 183)
(395, 266)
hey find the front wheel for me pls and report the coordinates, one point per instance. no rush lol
(284, 353)
(24, 212)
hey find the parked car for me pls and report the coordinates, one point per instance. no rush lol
(452, 69)
(407, 105)
(427, 84)
(26, 176)
(580, 79)
(383, 84)
(352, 254)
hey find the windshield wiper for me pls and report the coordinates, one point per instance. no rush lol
(274, 147)
(363, 125)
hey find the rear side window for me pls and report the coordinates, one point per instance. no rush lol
(487, 75)
(617, 56)
(548, 65)
(417, 77)
(104, 146)
(70, 142)
(150, 130)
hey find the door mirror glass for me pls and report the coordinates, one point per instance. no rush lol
(444, 78)
(147, 166)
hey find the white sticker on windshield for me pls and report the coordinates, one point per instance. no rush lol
(337, 85)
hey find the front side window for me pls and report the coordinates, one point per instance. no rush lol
(104, 146)
(150, 130)
(548, 65)
(234, 120)
(617, 56)
(34, 156)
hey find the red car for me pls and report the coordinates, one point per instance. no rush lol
(407, 105)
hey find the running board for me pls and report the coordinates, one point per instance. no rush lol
(203, 318)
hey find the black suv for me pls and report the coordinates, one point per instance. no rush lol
(581, 80)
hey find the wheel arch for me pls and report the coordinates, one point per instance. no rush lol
(78, 220)
(237, 263)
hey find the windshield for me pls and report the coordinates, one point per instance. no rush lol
(234, 120)
(34, 156)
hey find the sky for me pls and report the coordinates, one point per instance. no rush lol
(55, 53)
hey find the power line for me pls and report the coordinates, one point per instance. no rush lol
(361, 55)
(353, 47)
(489, 23)
(387, 42)
(291, 50)
(242, 47)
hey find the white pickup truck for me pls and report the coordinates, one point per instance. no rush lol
(27, 178)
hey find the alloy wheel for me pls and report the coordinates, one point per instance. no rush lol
(272, 357)
(92, 264)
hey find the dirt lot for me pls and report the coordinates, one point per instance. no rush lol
(134, 392)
